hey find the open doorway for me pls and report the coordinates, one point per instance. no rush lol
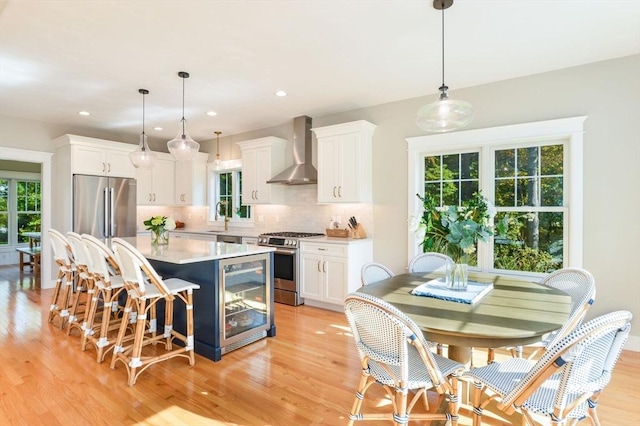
(41, 160)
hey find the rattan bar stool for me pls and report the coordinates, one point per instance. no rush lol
(146, 289)
(107, 290)
(61, 300)
(83, 291)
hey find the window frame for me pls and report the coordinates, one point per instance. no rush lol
(234, 167)
(486, 141)
(12, 204)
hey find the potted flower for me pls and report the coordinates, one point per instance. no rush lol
(160, 227)
(455, 230)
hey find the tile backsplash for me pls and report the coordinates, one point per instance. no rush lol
(299, 212)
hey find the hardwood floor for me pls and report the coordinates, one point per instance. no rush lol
(306, 375)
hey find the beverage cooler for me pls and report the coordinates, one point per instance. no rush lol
(245, 300)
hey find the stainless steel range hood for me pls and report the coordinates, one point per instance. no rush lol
(302, 172)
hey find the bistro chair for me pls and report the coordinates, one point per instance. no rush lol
(84, 284)
(107, 291)
(581, 287)
(373, 272)
(429, 262)
(395, 355)
(564, 385)
(146, 290)
(63, 288)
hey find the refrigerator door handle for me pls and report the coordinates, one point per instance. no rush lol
(112, 212)
(105, 224)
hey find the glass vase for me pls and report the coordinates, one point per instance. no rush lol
(459, 276)
(160, 237)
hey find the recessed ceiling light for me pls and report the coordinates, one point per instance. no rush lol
(84, 113)
(281, 93)
(157, 128)
(211, 113)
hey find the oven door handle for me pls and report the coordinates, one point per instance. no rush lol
(285, 251)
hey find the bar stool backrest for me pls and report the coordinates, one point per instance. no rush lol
(60, 247)
(136, 269)
(78, 250)
(99, 256)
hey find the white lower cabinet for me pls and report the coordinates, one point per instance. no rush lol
(330, 271)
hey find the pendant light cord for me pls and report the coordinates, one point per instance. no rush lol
(143, 113)
(442, 43)
(183, 120)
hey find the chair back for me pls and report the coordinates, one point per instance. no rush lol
(373, 272)
(136, 270)
(580, 285)
(99, 260)
(78, 250)
(60, 247)
(573, 369)
(430, 262)
(385, 335)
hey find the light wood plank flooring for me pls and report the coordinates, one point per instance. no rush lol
(306, 375)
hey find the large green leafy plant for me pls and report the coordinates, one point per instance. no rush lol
(455, 230)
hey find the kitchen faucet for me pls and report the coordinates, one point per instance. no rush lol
(226, 216)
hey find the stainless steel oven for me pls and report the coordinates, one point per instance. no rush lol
(286, 264)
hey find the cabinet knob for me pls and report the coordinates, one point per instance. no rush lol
(340, 191)
(319, 270)
(150, 197)
(324, 266)
(334, 192)
(104, 167)
(109, 167)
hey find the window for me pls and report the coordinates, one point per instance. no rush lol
(226, 195)
(19, 209)
(531, 172)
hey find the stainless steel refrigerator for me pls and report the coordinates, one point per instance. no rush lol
(104, 206)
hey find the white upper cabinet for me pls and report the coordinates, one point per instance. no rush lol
(344, 162)
(261, 160)
(96, 157)
(191, 181)
(157, 186)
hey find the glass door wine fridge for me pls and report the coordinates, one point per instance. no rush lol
(245, 300)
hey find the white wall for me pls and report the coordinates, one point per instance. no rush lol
(607, 92)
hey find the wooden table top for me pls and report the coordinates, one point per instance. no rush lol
(515, 312)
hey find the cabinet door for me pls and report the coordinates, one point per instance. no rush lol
(335, 271)
(89, 161)
(191, 182)
(163, 181)
(329, 169)
(263, 174)
(118, 164)
(311, 286)
(144, 188)
(347, 156)
(249, 176)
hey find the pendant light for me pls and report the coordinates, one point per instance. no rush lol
(445, 114)
(182, 146)
(218, 162)
(142, 158)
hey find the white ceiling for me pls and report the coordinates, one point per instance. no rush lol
(61, 57)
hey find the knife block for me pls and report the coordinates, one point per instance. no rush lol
(358, 232)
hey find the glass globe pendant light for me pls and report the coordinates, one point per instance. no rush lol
(142, 158)
(182, 147)
(445, 114)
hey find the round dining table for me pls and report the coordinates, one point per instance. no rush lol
(514, 312)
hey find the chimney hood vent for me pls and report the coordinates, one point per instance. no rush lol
(302, 172)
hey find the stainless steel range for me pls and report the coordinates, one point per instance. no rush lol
(286, 264)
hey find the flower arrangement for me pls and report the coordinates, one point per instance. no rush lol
(159, 227)
(455, 230)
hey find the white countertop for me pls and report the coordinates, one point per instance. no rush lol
(234, 232)
(185, 250)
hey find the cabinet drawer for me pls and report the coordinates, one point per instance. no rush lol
(328, 249)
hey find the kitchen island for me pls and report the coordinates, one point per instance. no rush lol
(234, 305)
